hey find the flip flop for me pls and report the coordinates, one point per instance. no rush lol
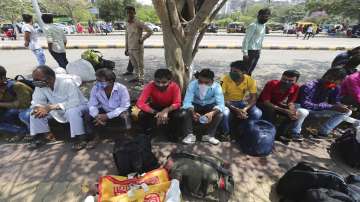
(77, 146)
(14, 139)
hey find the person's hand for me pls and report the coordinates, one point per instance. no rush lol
(196, 116)
(126, 53)
(40, 112)
(241, 113)
(26, 44)
(341, 108)
(162, 117)
(292, 114)
(210, 116)
(100, 119)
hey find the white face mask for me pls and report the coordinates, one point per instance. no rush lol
(203, 88)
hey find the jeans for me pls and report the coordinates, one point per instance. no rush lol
(15, 121)
(254, 114)
(211, 127)
(172, 129)
(335, 118)
(40, 56)
(270, 114)
(254, 56)
(60, 58)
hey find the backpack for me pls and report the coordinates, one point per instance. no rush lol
(257, 137)
(201, 176)
(19, 78)
(302, 181)
(134, 155)
(97, 60)
(348, 148)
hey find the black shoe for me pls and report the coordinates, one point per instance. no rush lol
(127, 74)
(35, 144)
(297, 137)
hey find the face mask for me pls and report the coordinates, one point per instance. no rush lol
(101, 84)
(40, 84)
(234, 76)
(285, 85)
(203, 88)
(262, 21)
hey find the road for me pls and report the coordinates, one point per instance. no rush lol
(272, 62)
(208, 40)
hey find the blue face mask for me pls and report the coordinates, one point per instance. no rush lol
(101, 84)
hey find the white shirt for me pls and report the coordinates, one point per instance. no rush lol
(66, 94)
(118, 102)
(34, 41)
(56, 36)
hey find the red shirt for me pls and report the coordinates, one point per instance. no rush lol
(271, 92)
(171, 96)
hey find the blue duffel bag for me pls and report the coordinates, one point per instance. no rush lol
(257, 137)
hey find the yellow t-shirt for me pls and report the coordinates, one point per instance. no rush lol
(233, 92)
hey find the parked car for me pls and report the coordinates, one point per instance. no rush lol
(236, 27)
(8, 31)
(119, 25)
(353, 31)
(68, 29)
(154, 28)
(213, 28)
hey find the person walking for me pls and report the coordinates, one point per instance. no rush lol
(134, 43)
(309, 32)
(254, 37)
(31, 39)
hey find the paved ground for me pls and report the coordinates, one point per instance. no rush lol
(55, 173)
(207, 40)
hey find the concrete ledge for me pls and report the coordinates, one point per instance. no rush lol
(106, 46)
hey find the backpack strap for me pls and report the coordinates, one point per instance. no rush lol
(204, 160)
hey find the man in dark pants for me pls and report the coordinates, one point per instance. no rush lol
(159, 103)
(204, 103)
(56, 40)
(129, 69)
(253, 39)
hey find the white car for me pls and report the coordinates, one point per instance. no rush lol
(68, 29)
(153, 27)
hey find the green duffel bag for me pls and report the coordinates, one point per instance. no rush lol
(93, 56)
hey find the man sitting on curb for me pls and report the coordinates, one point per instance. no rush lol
(15, 99)
(108, 105)
(278, 99)
(321, 98)
(235, 86)
(204, 103)
(58, 98)
(350, 90)
(159, 103)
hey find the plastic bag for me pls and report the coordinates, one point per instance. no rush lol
(81, 68)
(174, 193)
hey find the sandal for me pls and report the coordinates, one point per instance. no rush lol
(79, 145)
(28, 138)
(16, 138)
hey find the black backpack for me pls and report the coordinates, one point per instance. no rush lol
(134, 155)
(200, 176)
(298, 184)
(348, 148)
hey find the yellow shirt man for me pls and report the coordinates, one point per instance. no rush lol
(234, 92)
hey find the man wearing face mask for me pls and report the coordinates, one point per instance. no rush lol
(253, 39)
(108, 105)
(56, 98)
(159, 103)
(15, 99)
(235, 86)
(204, 103)
(321, 98)
(278, 99)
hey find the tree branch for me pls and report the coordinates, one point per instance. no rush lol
(203, 30)
(200, 17)
(174, 18)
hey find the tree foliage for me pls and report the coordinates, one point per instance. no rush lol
(147, 14)
(112, 10)
(13, 9)
(76, 9)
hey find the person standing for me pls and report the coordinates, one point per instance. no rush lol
(254, 37)
(31, 39)
(134, 40)
(56, 40)
(309, 32)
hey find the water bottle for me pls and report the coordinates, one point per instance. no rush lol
(203, 119)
